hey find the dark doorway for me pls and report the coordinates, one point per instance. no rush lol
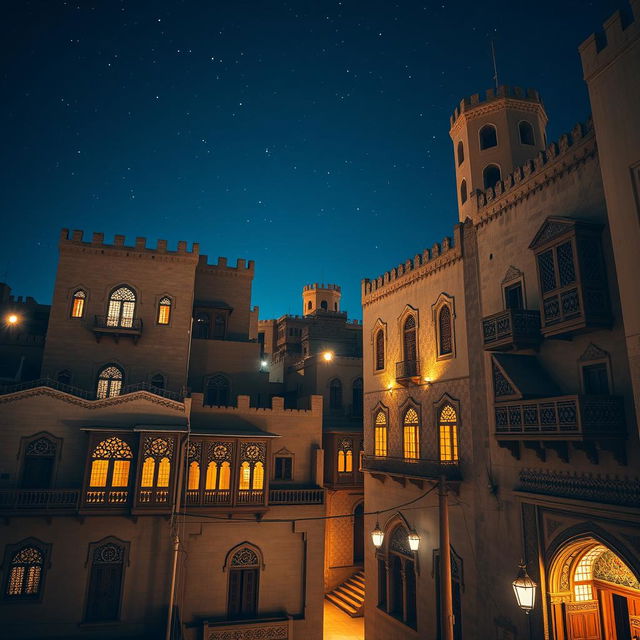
(513, 296)
(358, 534)
(621, 615)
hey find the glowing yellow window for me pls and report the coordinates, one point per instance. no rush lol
(212, 476)
(258, 477)
(164, 310)
(225, 476)
(193, 483)
(120, 473)
(341, 462)
(148, 469)
(99, 470)
(349, 461)
(410, 434)
(77, 308)
(164, 472)
(448, 434)
(245, 476)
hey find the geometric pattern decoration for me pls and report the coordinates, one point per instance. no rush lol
(158, 447)
(220, 451)
(41, 447)
(501, 386)
(610, 568)
(245, 557)
(253, 451)
(399, 541)
(112, 448)
(109, 553)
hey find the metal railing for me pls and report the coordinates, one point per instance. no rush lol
(314, 495)
(414, 467)
(39, 499)
(407, 369)
(106, 323)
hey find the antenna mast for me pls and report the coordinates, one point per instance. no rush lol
(495, 67)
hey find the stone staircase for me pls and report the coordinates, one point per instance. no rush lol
(349, 596)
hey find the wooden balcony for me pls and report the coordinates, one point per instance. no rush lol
(103, 325)
(407, 372)
(39, 501)
(418, 469)
(312, 495)
(511, 329)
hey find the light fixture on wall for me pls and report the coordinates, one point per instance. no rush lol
(328, 356)
(525, 589)
(377, 535)
(12, 319)
(414, 540)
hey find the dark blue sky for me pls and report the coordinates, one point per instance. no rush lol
(309, 136)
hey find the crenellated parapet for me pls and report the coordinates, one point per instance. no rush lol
(600, 48)
(322, 287)
(441, 256)
(221, 266)
(497, 95)
(243, 406)
(571, 149)
(76, 240)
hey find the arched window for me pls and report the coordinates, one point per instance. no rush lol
(39, 460)
(309, 305)
(201, 325)
(491, 176)
(324, 305)
(380, 444)
(409, 339)
(157, 381)
(109, 475)
(410, 434)
(156, 469)
(448, 428)
(460, 153)
(25, 571)
(164, 310)
(463, 191)
(445, 334)
(122, 307)
(357, 398)
(77, 305)
(379, 350)
(335, 395)
(193, 480)
(251, 477)
(64, 376)
(219, 326)
(488, 137)
(217, 394)
(244, 574)
(105, 582)
(526, 133)
(109, 382)
(345, 455)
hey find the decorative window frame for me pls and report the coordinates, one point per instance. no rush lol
(227, 559)
(379, 325)
(374, 412)
(70, 295)
(99, 368)
(445, 399)
(205, 384)
(25, 441)
(513, 276)
(594, 355)
(402, 318)
(110, 290)
(444, 299)
(283, 453)
(410, 403)
(480, 128)
(172, 309)
(9, 552)
(88, 564)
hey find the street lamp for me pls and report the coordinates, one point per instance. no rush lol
(377, 536)
(12, 318)
(328, 356)
(525, 589)
(414, 540)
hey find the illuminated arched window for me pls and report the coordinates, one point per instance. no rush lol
(445, 335)
(345, 455)
(164, 310)
(379, 359)
(463, 192)
(460, 153)
(335, 394)
(251, 472)
(25, 573)
(491, 176)
(193, 481)
(77, 304)
(109, 382)
(225, 476)
(488, 137)
(109, 474)
(448, 438)
(380, 434)
(156, 469)
(411, 425)
(218, 475)
(526, 133)
(217, 393)
(122, 307)
(257, 482)
(245, 476)
(409, 339)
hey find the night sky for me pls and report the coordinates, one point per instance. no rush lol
(310, 136)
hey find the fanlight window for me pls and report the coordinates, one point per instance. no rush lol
(122, 306)
(411, 425)
(409, 341)
(109, 382)
(583, 575)
(77, 305)
(488, 137)
(345, 456)
(164, 310)
(110, 465)
(448, 426)
(445, 342)
(380, 350)
(25, 573)
(380, 434)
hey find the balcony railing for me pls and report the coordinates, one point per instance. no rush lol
(24, 500)
(407, 371)
(114, 497)
(313, 495)
(511, 329)
(105, 325)
(414, 468)
(278, 626)
(208, 497)
(566, 417)
(250, 496)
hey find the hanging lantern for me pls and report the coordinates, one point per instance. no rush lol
(414, 540)
(377, 536)
(525, 589)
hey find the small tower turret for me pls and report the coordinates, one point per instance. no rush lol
(493, 136)
(320, 297)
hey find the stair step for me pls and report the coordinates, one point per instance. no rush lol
(357, 580)
(343, 594)
(354, 586)
(349, 596)
(352, 611)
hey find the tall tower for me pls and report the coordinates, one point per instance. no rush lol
(493, 136)
(319, 296)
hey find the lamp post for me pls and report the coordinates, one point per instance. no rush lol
(525, 589)
(377, 535)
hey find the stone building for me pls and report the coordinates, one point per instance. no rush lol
(502, 363)
(152, 462)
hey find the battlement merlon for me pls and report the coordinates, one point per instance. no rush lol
(322, 287)
(618, 32)
(502, 93)
(243, 267)
(435, 257)
(75, 238)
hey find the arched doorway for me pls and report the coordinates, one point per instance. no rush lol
(358, 534)
(594, 593)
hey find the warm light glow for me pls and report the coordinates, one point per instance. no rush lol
(12, 319)
(414, 540)
(525, 589)
(390, 387)
(377, 536)
(263, 363)
(328, 356)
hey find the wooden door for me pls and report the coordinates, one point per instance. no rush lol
(583, 620)
(621, 616)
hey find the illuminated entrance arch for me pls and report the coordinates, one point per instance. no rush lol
(594, 593)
